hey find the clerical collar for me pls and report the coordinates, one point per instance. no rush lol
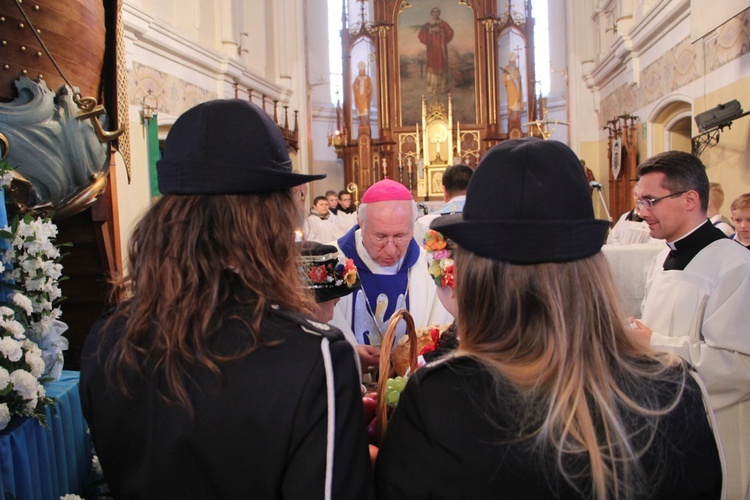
(687, 247)
(673, 245)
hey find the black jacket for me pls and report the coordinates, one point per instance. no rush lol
(261, 432)
(446, 440)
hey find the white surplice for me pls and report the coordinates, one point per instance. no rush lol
(702, 313)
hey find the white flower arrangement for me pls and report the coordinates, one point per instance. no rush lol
(31, 341)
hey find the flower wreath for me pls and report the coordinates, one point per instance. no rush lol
(327, 274)
(441, 267)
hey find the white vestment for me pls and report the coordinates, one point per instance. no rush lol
(321, 230)
(454, 206)
(702, 313)
(424, 305)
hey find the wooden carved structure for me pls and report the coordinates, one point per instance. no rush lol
(290, 134)
(436, 77)
(623, 160)
(48, 44)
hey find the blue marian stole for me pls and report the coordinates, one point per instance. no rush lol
(380, 295)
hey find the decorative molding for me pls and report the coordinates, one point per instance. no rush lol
(677, 67)
(162, 40)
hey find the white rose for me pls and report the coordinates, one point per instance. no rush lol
(4, 378)
(11, 349)
(35, 362)
(4, 416)
(446, 263)
(14, 327)
(6, 311)
(25, 384)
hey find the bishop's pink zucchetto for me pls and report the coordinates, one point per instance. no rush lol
(386, 190)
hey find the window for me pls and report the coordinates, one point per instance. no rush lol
(541, 45)
(334, 51)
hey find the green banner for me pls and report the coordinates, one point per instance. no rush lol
(153, 154)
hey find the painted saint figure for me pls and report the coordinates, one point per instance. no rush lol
(435, 35)
(512, 82)
(362, 88)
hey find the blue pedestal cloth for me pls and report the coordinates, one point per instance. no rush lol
(39, 463)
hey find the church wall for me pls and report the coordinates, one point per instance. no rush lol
(655, 64)
(186, 52)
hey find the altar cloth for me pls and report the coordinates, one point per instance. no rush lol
(39, 463)
(629, 265)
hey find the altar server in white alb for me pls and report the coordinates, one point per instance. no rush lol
(392, 267)
(697, 303)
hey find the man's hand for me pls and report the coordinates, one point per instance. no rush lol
(641, 332)
(369, 357)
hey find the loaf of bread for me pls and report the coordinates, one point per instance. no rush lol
(400, 353)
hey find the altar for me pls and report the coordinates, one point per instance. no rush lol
(47, 463)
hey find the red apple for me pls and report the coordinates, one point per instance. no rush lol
(371, 408)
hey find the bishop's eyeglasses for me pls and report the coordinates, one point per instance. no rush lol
(397, 239)
(650, 202)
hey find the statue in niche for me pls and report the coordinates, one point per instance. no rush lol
(362, 88)
(512, 82)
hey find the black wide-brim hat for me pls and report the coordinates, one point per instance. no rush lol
(323, 273)
(226, 146)
(528, 202)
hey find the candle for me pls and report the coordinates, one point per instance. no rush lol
(458, 139)
(417, 134)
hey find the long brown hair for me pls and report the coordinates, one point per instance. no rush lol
(187, 256)
(556, 332)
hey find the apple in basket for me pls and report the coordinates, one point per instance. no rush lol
(370, 404)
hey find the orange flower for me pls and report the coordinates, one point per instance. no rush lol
(434, 241)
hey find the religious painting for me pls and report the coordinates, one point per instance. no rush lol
(436, 181)
(436, 57)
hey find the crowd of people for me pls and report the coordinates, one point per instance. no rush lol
(234, 365)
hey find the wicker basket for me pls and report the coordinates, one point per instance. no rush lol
(386, 368)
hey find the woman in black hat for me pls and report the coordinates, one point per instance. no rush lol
(212, 380)
(548, 396)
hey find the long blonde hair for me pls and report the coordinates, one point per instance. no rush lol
(556, 332)
(188, 256)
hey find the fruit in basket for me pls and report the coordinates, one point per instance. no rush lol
(373, 454)
(393, 388)
(371, 407)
